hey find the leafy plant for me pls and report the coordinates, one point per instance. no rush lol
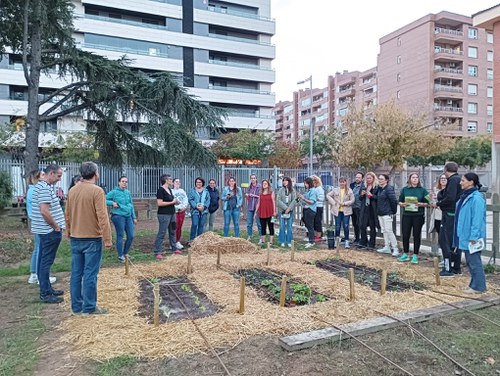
(6, 189)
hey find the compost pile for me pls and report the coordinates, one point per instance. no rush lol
(210, 242)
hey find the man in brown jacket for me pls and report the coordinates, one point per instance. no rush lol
(87, 224)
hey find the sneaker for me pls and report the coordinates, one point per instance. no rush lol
(178, 245)
(414, 259)
(289, 245)
(282, 245)
(444, 273)
(386, 250)
(306, 239)
(57, 292)
(121, 259)
(51, 299)
(404, 257)
(52, 280)
(178, 252)
(469, 290)
(33, 278)
(159, 256)
(346, 244)
(457, 272)
(441, 264)
(249, 238)
(309, 245)
(395, 252)
(260, 242)
(324, 238)
(98, 311)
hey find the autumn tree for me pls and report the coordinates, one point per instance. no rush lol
(326, 145)
(108, 92)
(245, 145)
(389, 134)
(285, 154)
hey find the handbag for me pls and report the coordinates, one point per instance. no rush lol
(285, 215)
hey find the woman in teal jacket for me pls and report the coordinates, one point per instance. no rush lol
(122, 215)
(232, 200)
(470, 230)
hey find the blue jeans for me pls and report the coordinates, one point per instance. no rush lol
(343, 220)
(250, 217)
(48, 249)
(286, 235)
(475, 265)
(198, 220)
(34, 256)
(86, 256)
(165, 221)
(123, 225)
(235, 215)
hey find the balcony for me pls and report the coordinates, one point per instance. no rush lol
(448, 88)
(239, 65)
(121, 21)
(447, 72)
(449, 111)
(450, 53)
(238, 89)
(238, 39)
(152, 52)
(441, 30)
(238, 14)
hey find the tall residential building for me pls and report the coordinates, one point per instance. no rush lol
(442, 66)
(220, 50)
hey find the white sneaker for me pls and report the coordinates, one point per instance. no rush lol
(324, 238)
(282, 245)
(33, 278)
(346, 244)
(178, 245)
(309, 245)
(260, 241)
(306, 239)
(289, 245)
(384, 250)
(249, 238)
(52, 280)
(395, 252)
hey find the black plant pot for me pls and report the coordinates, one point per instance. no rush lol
(330, 235)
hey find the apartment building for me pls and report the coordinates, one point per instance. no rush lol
(442, 66)
(221, 52)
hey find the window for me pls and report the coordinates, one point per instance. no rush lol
(472, 126)
(398, 77)
(472, 52)
(489, 127)
(489, 37)
(48, 126)
(472, 70)
(472, 108)
(398, 94)
(305, 102)
(398, 59)
(489, 56)
(489, 110)
(472, 89)
(399, 42)
(489, 92)
(472, 33)
(489, 74)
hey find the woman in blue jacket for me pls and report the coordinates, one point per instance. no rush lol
(232, 200)
(199, 201)
(470, 230)
(122, 215)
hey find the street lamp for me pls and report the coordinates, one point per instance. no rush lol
(311, 126)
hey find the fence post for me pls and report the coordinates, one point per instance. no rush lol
(496, 223)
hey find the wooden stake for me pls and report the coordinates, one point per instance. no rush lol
(126, 264)
(218, 258)
(436, 271)
(189, 266)
(283, 291)
(352, 295)
(242, 295)
(156, 290)
(383, 282)
(292, 254)
(268, 261)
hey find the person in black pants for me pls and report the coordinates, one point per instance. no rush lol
(368, 211)
(447, 204)
(356, 186)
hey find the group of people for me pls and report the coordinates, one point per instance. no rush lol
(87, 225)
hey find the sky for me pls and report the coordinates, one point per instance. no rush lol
(321, 37)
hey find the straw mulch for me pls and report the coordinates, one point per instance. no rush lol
(123, 332)
(210, 242)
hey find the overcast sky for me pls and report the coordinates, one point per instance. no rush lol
(321, 37)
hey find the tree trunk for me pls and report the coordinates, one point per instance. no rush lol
(31, 155)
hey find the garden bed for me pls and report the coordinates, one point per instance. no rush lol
(180, 299)
(268, 287)
(368, 276)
